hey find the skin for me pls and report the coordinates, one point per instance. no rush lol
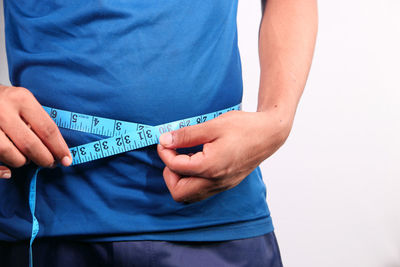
(234, 144)
(27, 133)
(237, 142)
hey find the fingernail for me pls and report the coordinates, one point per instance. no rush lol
(5, 174)
(166, 139)
(66, 161)
(52, 166)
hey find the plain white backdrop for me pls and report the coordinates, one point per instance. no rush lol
(334, 187)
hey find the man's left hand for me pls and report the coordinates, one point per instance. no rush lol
(234, 144)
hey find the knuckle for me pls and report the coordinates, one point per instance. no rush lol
(49, 131)
(211, 170)
(183, 136)
(205, 171)
(220, 173)
(211, 173)
(200, 167)
(27, 147)
(19, 94)
(10, 97)
(31, 149)
(177, 197)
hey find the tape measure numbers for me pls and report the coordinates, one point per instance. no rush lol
(122, 136)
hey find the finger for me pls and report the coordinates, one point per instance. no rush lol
(27, 142)
(187, 189)
(191, 136)
(9, 154)
(5, 172)
(194, 165)
(48, 132)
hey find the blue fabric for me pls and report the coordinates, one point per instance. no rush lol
(261, 251)
(141, 61)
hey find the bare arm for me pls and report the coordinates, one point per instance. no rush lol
(237, 142)
(286, 44)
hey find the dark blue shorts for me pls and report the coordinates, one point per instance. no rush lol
(260, 251)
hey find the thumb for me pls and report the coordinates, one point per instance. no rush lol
(189, 136)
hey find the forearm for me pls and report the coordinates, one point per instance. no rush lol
(286, 44)
(287, 37)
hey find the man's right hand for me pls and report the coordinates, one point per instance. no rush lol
(27, 133)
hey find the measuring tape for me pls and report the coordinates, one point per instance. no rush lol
(122, 136)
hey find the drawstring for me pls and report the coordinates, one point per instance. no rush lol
(32, 204)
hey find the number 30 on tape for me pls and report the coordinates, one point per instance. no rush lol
(123, 135)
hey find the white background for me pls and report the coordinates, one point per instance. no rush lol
(333, 188)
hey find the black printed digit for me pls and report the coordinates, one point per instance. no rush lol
(140, 135)
(119, 141)
(118, 126)
(96, 147)
(105, 146)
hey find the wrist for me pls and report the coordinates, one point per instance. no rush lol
(279, 117)
(282, 111)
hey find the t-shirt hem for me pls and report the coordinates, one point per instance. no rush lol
(225, 232)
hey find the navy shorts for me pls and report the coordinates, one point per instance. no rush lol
(260, 251)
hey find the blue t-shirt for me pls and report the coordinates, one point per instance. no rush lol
(143, 61)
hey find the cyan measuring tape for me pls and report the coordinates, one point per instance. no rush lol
(123, 136)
